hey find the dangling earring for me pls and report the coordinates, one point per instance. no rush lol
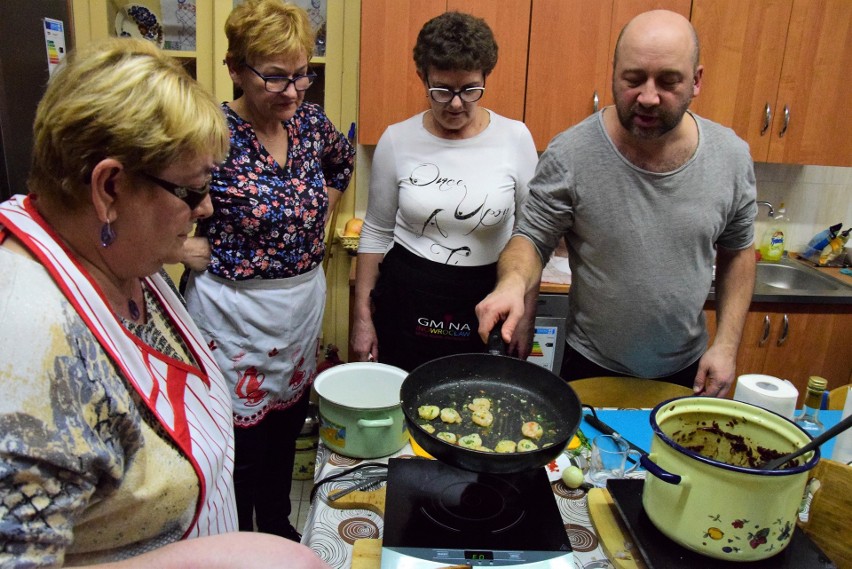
(107, 235)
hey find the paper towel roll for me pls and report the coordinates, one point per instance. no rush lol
(769, 392)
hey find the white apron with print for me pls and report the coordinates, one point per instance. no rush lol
(192, 404)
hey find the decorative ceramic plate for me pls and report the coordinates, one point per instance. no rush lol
(139, 22)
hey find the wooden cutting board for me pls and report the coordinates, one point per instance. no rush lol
(615, 538)
(831, 511)
(373, 500)
(366, 553)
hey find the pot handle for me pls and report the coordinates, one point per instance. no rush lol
(375, 422)
(635, 457)
(663, 475)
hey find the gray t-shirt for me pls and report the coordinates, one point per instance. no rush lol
(640, 244)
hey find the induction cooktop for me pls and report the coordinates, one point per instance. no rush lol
(444, 516)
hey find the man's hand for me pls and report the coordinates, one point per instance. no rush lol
(716, 372)
(505, 304)
(518, 275)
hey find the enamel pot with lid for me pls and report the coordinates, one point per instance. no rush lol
(704, 488)
(359, 409)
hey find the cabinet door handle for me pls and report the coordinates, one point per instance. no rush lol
(785, 330)
(767, 119)
(595, 100)
(766, 327)
(786, 122)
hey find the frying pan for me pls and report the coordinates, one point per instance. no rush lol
(520, 391)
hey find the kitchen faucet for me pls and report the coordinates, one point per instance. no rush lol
(769, 205)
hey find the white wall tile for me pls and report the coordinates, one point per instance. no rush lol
(815, 198)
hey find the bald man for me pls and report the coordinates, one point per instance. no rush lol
(648, 196)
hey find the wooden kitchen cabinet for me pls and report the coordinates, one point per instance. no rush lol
(569, 74)
(389, 89)
(764, 56)
(567, 65)
(794, 341)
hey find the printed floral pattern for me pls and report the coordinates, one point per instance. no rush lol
(269, 218)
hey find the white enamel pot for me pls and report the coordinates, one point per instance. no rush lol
(695, 495)
(359, 409)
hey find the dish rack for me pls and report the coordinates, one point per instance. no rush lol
(350, 243)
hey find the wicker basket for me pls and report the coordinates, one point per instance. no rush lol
(350, 243)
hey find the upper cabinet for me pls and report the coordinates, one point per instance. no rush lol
(775, 73)
(569, 48)
(570, 59)
(389, 89)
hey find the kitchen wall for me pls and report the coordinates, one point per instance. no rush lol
(815, 196)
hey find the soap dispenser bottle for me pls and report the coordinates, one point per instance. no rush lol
(774, 238)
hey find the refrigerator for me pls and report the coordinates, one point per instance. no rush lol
(34, 36)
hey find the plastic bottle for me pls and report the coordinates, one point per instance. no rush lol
(819, 242)
(835, 248)
(808, 419)
(775, 237)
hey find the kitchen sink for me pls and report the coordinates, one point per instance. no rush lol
(795, 276)
(790, 280)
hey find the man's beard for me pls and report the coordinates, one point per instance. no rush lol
(667, 120)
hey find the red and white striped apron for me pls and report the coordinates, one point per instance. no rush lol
(192, 404)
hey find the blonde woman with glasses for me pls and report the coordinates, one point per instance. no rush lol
(257, 289)
(116, 441)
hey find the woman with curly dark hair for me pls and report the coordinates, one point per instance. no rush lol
(444, 189)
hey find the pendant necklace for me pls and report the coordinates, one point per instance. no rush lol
(134, 309)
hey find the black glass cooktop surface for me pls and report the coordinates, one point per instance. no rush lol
(433, 505)
(660, 552)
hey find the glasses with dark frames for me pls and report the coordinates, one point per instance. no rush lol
(445, 96)
(280, 83)
(190, 196)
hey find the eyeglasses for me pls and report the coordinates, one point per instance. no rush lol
(445, 96)
(191, 196)
(280, 83)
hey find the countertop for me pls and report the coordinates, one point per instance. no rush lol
(761, 295)
(331, 531)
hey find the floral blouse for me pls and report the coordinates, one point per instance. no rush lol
(269, 218)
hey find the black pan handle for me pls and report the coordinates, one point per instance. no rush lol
(496, 345)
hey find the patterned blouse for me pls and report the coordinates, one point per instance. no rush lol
(269, 220)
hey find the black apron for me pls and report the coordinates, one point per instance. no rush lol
(425, 310)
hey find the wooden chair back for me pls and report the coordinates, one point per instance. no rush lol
(626, 392)
(830, 514)
(837, 397)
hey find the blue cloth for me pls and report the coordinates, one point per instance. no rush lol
(635, 426)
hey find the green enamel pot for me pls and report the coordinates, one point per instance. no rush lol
(360, 411)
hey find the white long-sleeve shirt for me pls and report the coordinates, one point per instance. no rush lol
(448, 201)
